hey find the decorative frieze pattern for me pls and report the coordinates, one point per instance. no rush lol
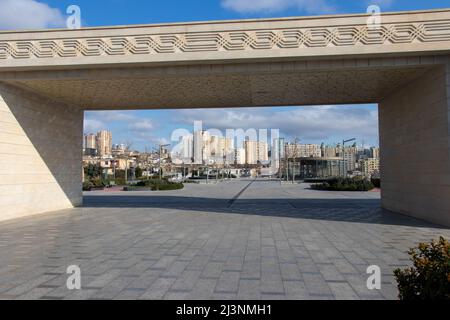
(292, 38)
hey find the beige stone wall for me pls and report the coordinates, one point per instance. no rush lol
(315, 37)
(415, 147)
(40, 154)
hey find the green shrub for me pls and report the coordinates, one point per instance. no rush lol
(120, 181)
(152, 182)
(87, 186)
(97, 183)
(138, 172)
(155, 184)
(344, 184)
(376, 182)
(429, 278)
(92, 171)
(166, 187)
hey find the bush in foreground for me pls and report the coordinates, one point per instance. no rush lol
(344, 184)
(429, 278)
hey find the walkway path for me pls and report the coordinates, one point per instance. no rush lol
(232, 240)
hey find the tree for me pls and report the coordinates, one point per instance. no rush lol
(128, 145)
(93, 170)
(138, 172)
(292, 151)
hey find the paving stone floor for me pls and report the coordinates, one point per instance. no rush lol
(246, 239)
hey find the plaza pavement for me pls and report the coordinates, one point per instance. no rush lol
(243, 239)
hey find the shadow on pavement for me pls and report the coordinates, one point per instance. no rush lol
(344, 210)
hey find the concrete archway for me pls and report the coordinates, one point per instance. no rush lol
(47, 79)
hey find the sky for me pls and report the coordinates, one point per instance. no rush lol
(147, 128)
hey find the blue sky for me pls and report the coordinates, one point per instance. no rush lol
(118, 12)
(327, 124)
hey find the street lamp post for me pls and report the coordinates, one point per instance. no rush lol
(126, 170)
(161, 146)
(286, 162)
(114, 170)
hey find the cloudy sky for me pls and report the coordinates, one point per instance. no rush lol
(328, 124)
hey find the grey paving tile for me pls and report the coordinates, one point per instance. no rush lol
(275, 241)
(34, 294)
(295, 290)
(186, 281)
(290, 271)
(316, 285)
(228, 282)
(158, 289)
(342, 291)
(203, 289)
(249, 289)
(212, 270)
(28, 285)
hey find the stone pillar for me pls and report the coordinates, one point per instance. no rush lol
(415, 147)
(40, 154)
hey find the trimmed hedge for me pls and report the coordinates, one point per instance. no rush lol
(155, 184)
(151, 182)
(165, 187)
(344, 184)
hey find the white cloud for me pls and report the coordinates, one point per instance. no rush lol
(29, 14)
(110, 116)
(93, 125)
(144, 124)
(383, 4)
(311, 124)
(254, 6)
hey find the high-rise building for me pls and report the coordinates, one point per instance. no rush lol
(329, 151)
(375, 152)
(295, 150)
(104, 143)
(239, 156)
(206, 147)
(198, 147)
(263, 151)
(349, 156)
(350, 161)
(256, 151)
(90, 141)
(278, 150)
(224, 150)
(369, 166)
(209, 148)
(187, 148)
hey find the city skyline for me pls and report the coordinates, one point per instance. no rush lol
(310, 124)
(206, 148)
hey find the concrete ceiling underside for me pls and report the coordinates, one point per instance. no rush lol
(235, 89)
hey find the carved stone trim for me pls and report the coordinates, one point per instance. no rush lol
(283, 39)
